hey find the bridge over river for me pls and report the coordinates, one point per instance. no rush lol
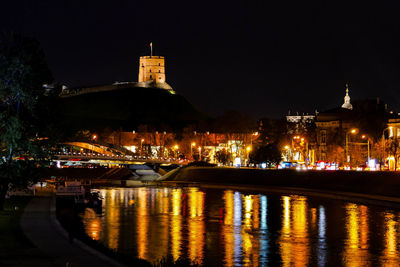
(105, 153)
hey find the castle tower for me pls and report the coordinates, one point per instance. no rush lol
(152, 68)
(346, 103)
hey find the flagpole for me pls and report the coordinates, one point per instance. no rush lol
(151, 49)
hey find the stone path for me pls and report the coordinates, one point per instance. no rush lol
(41, 226)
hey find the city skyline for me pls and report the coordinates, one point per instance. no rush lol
(258, 58)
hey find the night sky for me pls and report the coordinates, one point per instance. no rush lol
(261, 58)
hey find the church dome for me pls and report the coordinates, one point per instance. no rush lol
(346, 103)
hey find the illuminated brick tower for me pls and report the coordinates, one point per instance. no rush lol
(152, 68)
(152, 72)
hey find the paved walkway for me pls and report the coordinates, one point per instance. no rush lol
(41, 226)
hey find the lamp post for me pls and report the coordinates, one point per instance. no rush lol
(248, 149)
(368, 142)
(176, 147)
(191, 149)
(352, 131)
(141, 147)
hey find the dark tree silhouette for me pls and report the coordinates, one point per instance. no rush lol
(268, 154)
(23, 71)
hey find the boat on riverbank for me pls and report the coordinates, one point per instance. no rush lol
(71, 191)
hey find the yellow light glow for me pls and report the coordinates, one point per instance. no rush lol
(196, 225)
(353, 131)
(248, 148)
(286, 147)
(193, 144)
(176, 223)
(176, 147)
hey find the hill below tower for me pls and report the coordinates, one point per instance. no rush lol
(126, 107)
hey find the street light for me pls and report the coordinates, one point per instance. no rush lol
(141, 146)
(363, 137)
(176, 147)
(248, 149)
(352, 131)
(191, 148)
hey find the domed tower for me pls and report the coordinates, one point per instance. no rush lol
(346, 103)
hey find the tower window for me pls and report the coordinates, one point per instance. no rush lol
(159, 71)
(151, 77)
(150, 70)
(159, 64)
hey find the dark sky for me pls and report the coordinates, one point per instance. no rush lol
(258, 57)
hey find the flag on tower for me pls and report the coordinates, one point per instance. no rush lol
(151, 49)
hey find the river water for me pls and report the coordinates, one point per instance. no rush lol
(216, 227)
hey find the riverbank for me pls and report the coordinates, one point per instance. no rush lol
(40, 226)
(15, 248)
(384, 185)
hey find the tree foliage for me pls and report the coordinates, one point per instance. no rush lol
(23, 71)
(223, 156)
(269, 154)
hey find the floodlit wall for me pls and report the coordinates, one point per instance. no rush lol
(152, 68)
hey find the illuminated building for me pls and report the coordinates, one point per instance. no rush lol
(346, 103)
(333, 127)
(151, 74)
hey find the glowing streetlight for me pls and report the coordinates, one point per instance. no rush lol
(141, 146)
(175, 148)
(363, 137)
(191, 148)
(352, 131)
(94, 137)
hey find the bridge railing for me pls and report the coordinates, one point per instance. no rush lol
(73, 155)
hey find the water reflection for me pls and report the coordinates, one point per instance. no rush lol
(294, 243)
(232, 228)
(176, 223)
(390, 253)
(196, 228)
(356, 247)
